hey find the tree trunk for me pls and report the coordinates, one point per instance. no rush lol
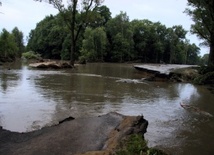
(211, 55)
(72, 53)
(73, 38)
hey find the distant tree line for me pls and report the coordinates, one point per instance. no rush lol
(11, 45)
(107, 39)
(103, 38)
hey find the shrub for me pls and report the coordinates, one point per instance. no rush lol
(136, 145)
(31, 55)
(207, 78)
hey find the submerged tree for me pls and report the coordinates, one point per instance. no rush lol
(202, 13)
(85, 8)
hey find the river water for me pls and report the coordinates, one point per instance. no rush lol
(31, 99)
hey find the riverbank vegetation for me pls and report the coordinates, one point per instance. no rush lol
(99, 37)
(135, 144)
(114, 39)
(92, 34)
(31, 55)
(206, 75)
(11, 45)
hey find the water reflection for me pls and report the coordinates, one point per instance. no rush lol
(36, 98)
(23, 108)
(187, 92)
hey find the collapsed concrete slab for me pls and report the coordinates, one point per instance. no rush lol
(92, 135)
(169, 72)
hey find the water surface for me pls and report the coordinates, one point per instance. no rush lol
(31, 99)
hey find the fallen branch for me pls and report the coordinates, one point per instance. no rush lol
(195, 109)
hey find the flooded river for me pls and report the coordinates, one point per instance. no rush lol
(31, 99)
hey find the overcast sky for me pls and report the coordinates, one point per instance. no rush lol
(26, 13)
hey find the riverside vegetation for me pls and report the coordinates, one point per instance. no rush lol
(101, 37)
(136, 145)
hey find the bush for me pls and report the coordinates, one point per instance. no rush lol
(82, 60)
(207, 78)
(206, 75)
(136, 145)
(31, 55)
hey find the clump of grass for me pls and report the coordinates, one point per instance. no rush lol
(136, 145)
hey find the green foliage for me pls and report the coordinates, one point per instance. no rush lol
(206, 75)
(202, 13)
(65, 52)
(204, 59)
(207, 78)
(47, 39)
(120, 35)
(31, 55)
(11, 45)
(94, 44)
(82, 60)
(136, 145)
(18, 38)
(99, 37)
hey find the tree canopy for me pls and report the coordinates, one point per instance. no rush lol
(11, 44)
(202, 13)
(76, 18)
(109, 39)
(86, 29)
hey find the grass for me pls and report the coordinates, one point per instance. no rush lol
(136, 145)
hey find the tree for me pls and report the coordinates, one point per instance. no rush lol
(175, 45)
(202, 13)
(47, 38)
(18, 36)
(120, 36)
(149, 40)
(8, 46)
(192, 54)
(204, 59)
(103, 16)
(94, 44)
(86, 8)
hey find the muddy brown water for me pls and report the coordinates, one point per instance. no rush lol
(31, 99)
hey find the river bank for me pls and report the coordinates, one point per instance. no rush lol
(34, 98)
(93, 135)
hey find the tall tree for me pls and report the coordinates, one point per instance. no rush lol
(120, 35)
(8, 46)
(94, 44)
(86, 7)
(202, 13)
(48, 37)
(18, 36)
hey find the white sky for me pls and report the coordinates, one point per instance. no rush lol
(26, 13)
